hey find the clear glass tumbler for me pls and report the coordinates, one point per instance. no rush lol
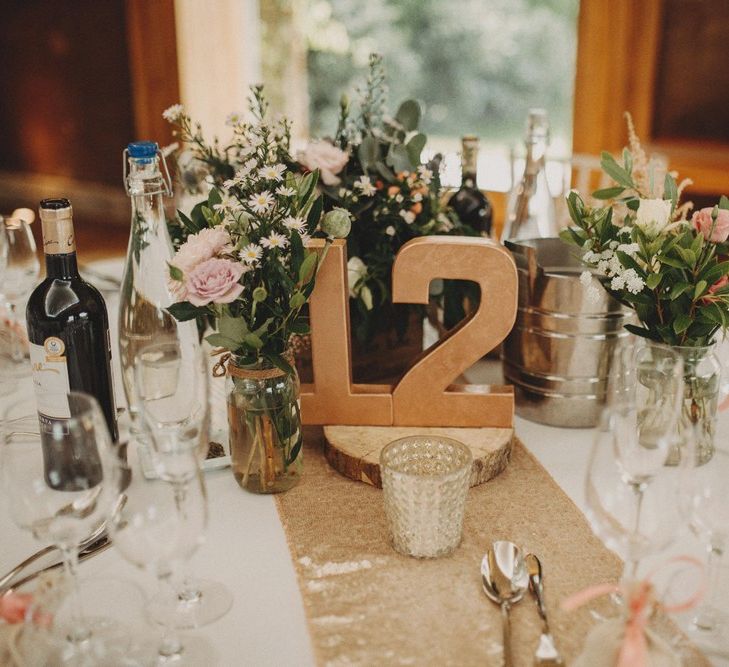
(425, 481)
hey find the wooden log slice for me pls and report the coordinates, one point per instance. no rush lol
(354, 451)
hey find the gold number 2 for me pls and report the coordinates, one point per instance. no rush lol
(425, 395)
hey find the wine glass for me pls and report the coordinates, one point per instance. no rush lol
(171, 379)
(628, 487)
(7, 385)
(705, 505)
(20, 276)
(58, 476)
(160, 526)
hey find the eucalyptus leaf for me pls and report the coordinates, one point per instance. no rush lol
(408, 115)
(367, 152)
(398, 158)
(415, 148)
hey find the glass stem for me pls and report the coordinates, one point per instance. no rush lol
(16, 344)
(706, 617)
(633, 562)
(79, 631)
(171, 646)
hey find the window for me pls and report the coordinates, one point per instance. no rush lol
(476, 65)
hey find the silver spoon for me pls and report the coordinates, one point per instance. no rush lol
(547, 653)
(505, 580)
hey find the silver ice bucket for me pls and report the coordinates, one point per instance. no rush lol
(558, 354)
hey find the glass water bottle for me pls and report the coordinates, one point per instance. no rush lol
(531, 212)
(145, 294)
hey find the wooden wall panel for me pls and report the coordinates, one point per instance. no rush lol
(65, 88)
(647, 57)
(153, 63)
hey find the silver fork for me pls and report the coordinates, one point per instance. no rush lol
(546, 653)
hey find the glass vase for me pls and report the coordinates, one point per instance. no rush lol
(264, 422)
(702, 381)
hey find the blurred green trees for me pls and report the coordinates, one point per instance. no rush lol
(476, 65)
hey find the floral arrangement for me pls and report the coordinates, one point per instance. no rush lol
(372, 168)
(242, 267)
(672, 270)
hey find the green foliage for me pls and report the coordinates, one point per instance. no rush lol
(262, 211)
(665, 269)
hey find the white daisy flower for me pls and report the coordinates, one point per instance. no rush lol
(246, 169)
(390, 231)
(261, 202)
(272, 172)
(399, 198)
(407, 216)
(294, 223)
(426, 175)
(234, 119)
(274, 240)
(228, 203)
(251, 253)
(364, 185)
(285, 191)
(173, 113)
(230, 183)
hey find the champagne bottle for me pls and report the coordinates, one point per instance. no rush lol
(530, 212)
(145, 293)
(470, 204)
(68, 328)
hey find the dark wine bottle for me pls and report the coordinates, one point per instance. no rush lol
(470, 204)
(68, 331)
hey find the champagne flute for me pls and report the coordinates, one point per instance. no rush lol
(171, 379)
(58, 476)
(20, 276)
(632, 443)
(160, 526)
(705, 505)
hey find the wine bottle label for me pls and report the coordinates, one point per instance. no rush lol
(58, 238)
(50, 377)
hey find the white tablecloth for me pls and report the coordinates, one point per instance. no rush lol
(246, 547)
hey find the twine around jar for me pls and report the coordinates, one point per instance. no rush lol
(226, 365)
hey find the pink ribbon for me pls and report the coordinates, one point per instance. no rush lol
(14, 609)
(641, 600)
(13, 606)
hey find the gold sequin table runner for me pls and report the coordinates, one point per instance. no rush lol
(368, 605)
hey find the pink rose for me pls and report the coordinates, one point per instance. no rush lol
(703, 222)
(325, 157)
(201, 246)
(214, 280)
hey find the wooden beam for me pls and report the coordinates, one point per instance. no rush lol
(152, 44)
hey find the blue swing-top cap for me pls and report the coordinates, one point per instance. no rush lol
(144, 150)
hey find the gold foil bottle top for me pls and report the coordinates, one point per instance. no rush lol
(469, 155)
(57, 220)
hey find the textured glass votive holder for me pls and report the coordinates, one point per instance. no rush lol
(425, 480)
